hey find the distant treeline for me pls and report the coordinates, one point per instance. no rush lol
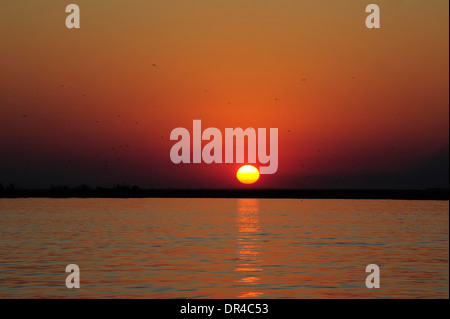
(125, 191)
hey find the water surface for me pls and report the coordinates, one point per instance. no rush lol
(223, 248)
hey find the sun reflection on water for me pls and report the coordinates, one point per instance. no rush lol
(249, 248)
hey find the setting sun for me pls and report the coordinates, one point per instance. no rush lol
(248, 174)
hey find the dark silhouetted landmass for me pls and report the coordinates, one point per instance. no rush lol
(124, 191)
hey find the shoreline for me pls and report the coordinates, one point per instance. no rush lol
(134, 192)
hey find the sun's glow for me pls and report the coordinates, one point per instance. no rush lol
(248, 174)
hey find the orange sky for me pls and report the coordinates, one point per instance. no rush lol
(350, 103)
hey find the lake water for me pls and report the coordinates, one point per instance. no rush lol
(223, 248)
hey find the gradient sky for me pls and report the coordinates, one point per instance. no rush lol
(355, 108)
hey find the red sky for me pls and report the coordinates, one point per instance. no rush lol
(354, 107)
